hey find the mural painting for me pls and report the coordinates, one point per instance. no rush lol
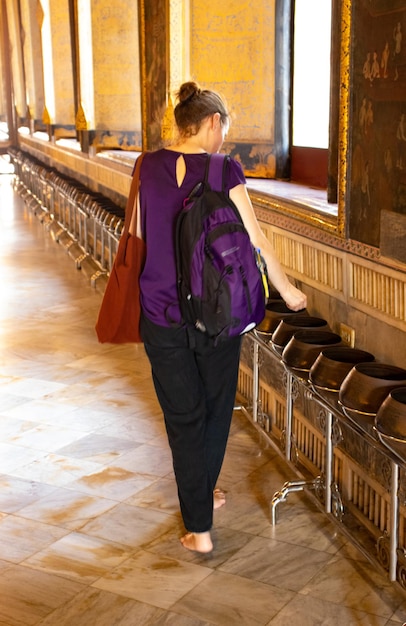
(378, 150)
(233, 52)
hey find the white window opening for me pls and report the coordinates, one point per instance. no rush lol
(311, 75)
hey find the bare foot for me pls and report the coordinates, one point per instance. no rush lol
(197, 542)
(219, 499)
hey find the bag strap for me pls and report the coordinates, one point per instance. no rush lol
(216, 171)
(133, 195)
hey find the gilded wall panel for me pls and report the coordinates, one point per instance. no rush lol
(32, 51)
(116, 72)
(62, 63)
(3, 67)
(178, 44)
(233, 52)
(17, 63)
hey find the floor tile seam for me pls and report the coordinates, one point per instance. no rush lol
(75, 531)
(144, 550)
(334, 606)
(97, 457)
(25, 566)
(273, 588)
(191, 589)
(81, 529)
(117, 499)
(43, 454)
(371, 586)
(320, 566)
(362, 564)
(45, 432)
(302, 544)
(43, 618)
(68, 603)
(132, 507)
(15, 471)
(285, 605)
(6, 476)
(298, 592)
(12, 396)
(129, 551)
(17, 513)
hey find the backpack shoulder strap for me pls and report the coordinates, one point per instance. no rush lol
(216, 170)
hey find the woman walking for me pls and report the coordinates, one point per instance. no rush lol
(195, 380)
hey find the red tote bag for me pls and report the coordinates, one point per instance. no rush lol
(119, 315)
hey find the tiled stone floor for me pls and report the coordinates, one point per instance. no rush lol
(89, 522)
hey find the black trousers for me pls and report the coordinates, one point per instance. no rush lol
(196, 383)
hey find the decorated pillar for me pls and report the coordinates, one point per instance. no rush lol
(154, 21)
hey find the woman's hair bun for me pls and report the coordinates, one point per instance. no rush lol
(187, 91)
(194, 106)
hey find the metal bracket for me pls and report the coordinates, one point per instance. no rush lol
(282, 494)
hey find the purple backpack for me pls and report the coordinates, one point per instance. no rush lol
(222, 282)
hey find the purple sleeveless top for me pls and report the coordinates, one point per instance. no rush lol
(161, 201)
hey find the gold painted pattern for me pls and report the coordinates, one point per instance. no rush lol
(344, 113)
(229, 45)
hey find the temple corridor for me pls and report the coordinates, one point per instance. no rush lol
(89, 521)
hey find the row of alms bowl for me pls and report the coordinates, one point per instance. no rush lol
(365, 388)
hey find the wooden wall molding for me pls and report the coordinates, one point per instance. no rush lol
(346, 273)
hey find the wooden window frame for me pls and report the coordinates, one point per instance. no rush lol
(310, 166)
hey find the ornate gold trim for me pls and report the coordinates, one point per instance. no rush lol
(288, 208)
(46, 118)
(81, 121)
(143, 73)
(344, 113)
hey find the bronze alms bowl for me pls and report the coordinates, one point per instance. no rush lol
(390, 421)
(366, 386)
(304, 347)
(333, 364)
(289, 325)
(274, 313)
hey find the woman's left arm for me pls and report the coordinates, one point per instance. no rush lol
(294, 298)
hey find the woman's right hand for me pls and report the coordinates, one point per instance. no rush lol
(294, 298)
